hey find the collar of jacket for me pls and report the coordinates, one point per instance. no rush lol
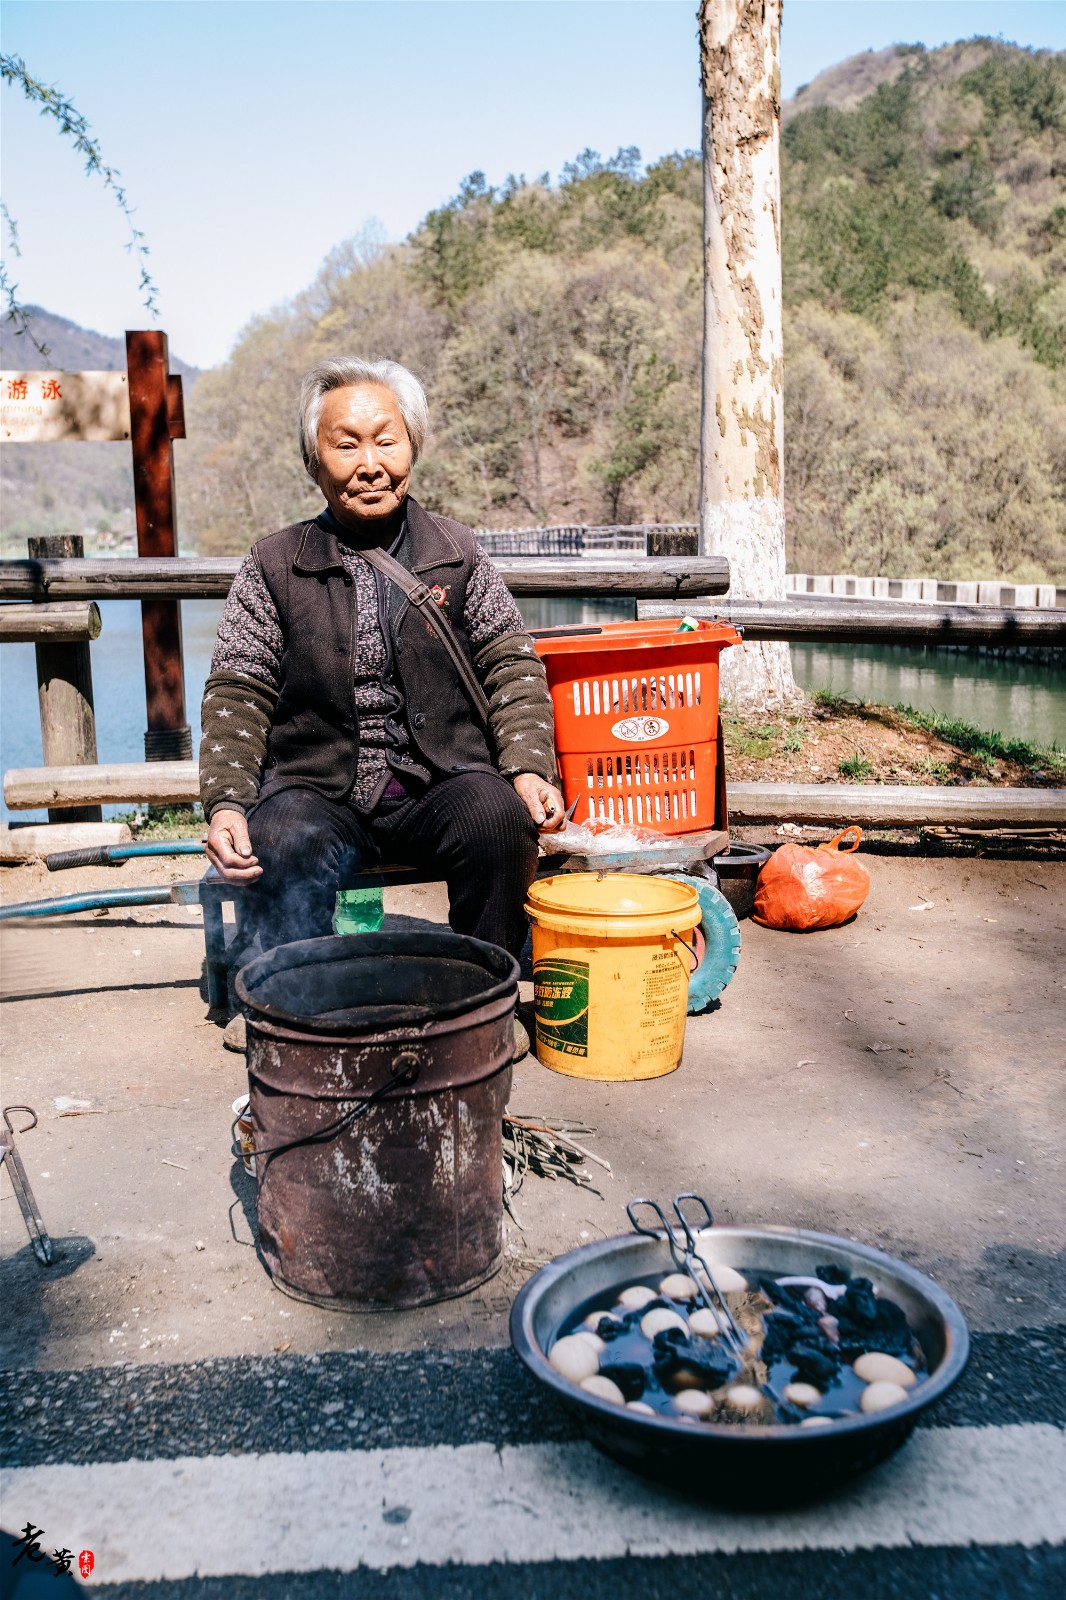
(422, 538)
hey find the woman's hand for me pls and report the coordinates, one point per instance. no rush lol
(229, 849)
(542, 800)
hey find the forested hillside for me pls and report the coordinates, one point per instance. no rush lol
(557, 328)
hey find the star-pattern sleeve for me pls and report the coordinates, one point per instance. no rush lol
(521, 723)
(235, 716)
(250, 641)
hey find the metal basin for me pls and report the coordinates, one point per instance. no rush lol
(756, 1467)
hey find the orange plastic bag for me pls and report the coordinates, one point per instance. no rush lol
(800, 888)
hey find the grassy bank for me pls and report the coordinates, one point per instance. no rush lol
(155, 823)
(835, 740)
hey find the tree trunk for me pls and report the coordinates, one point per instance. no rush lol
(742, 512)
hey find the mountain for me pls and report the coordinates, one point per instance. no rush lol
(845, 85)
(848, 82)
(924, 238)
(71, 348)
(69, 488)
(557, 328)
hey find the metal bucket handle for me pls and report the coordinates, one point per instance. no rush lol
(405, 1069)
(691, 950)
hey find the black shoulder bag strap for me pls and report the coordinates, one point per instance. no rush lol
(420, 596)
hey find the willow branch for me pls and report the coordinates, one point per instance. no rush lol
(53, 103)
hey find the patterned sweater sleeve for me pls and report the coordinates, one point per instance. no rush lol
(521, 724)
(240, 695)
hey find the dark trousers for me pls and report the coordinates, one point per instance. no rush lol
(470, 830)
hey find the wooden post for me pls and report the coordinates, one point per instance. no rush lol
(65, 690)
(671, 543)
(659, 542)
(157, 418)
(742, 513)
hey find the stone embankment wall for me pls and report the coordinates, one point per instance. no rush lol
(992, 592)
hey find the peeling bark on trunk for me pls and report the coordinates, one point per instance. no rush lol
(741, 447)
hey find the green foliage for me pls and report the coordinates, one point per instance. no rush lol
(917, 446)
(964, 736)
(876, 140)
(879, 200)
(972, 301)
(157, 823)
(868, 242)
(966, 187)
(1026, 88)
(856, 767)
(990, 746)
(744, 740)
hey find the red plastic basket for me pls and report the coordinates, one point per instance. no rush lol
(636, 720)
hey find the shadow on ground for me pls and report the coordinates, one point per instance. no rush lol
(29, 1291)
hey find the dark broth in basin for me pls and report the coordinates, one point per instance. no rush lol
(804, 1336)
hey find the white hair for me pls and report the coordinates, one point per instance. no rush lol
(343, 372)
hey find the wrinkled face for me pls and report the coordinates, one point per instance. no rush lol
(364, 453)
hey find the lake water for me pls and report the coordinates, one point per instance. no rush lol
(1021, 698)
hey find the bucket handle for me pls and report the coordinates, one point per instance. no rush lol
(404, 1068)
(691, 949)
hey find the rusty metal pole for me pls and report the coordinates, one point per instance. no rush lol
(156, 419)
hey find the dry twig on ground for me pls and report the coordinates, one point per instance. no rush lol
(548, 1150)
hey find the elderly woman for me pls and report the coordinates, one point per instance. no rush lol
(337, 729)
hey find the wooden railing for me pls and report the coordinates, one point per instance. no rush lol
(667, 582)
(209, 578)
(61, 632)
(873, 805)
(836, 621)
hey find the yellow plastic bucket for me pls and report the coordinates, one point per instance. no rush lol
(610, 973)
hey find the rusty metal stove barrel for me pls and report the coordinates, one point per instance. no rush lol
(379, 1067)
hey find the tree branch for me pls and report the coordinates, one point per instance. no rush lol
(61, 109)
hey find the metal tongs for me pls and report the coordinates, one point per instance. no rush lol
(42, 1244)
(687, 1258)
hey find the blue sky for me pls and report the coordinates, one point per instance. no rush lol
(252, 136)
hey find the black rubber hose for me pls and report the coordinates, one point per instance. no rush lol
(112, 855)
(95, 855)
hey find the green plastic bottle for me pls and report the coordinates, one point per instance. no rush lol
(358, 911)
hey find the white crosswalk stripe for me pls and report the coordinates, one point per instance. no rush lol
(473, 1504)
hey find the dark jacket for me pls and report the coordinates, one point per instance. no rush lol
(314, 737)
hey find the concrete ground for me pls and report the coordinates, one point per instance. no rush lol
(899, 1080)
